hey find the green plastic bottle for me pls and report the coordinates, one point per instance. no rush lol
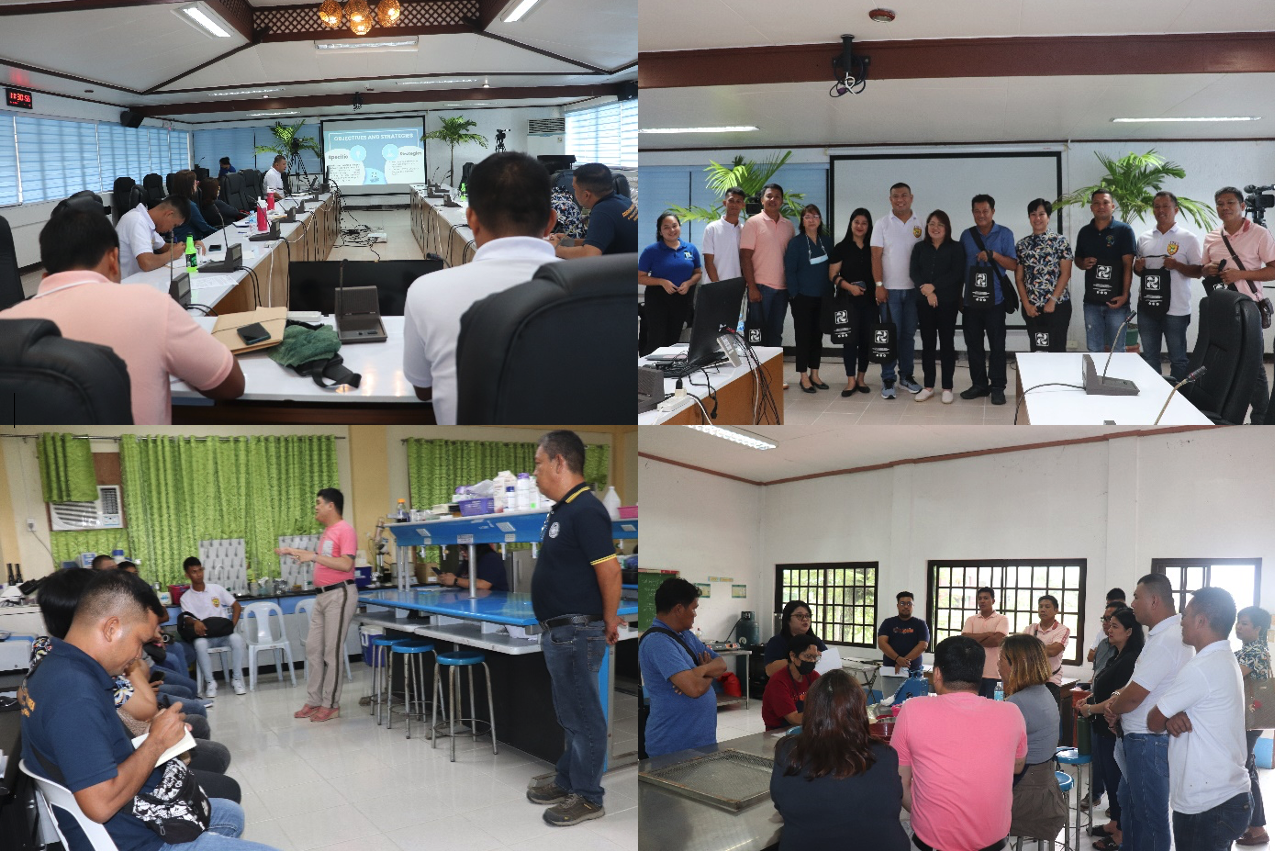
(192, 261)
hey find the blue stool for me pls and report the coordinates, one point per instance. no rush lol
(1071, 756)
(1065, 784)
(454, 661)
(412, 652)
(381, 670)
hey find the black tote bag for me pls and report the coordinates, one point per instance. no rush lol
(884, 345)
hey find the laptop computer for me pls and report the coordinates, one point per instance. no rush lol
(358, 316)
(232, 261)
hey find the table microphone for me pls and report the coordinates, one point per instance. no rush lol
(1119, 331)
(1193, 377)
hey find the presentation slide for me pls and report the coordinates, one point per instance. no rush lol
(374, 155)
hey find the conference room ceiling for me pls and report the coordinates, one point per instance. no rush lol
(806, 450)
(147, 56)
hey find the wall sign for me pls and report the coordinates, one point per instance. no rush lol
(18, 98)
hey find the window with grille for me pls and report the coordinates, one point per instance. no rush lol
(1242, 577)
(604, 134)
(953, 589)
(842, 597)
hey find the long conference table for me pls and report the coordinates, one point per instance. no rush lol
(383, 394)
(440, 229)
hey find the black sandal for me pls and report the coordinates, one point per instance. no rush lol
(863, 388)
(1107, 844)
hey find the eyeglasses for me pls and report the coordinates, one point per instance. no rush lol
(1106, 618)
(805, 617)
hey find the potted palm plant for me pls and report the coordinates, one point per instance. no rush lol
(747, 175)
(289, 142)
(455, 130)
(1133, 181)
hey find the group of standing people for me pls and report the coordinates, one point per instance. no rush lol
(921, 275)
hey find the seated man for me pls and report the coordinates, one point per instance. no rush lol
(510, 215)
(139, 236)
(103, 562)
(226, 168)
(940, 741)
(148, 330)
(72, 735)
(784, 700)
(206, 600)
(490, 576)
(613, 219)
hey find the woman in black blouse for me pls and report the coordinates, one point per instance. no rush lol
(850, 267)
(833, 783)
(938, 267)
(1125, 634)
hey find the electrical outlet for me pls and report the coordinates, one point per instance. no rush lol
(30, 525)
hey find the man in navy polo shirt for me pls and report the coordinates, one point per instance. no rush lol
(997, 248)
(1105, 246)
(678, 674)
(903, 639)
(72, 735)
(575, 594)
(490, 572)
(613, 218)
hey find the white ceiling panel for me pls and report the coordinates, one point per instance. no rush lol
(609, 41)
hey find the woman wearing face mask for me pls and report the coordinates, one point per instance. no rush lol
(784, 700)
(850, 267)
(1044, 267)
(796, 620)
(669, 269)
(1254, 657)
(806, 274)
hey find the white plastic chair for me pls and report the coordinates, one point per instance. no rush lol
(303, 608)
(214, 653)
(259, 635)
(50, 794)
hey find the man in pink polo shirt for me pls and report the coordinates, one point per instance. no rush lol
(334, 606)
(152, 334)
(762, 243)
(1253, 247)
(989, 629)
(1052, 633)
(958, 755)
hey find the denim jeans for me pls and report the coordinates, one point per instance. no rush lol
(1214, 829)
(774, 307)
(1106, 774)
(176, 680)
(574, 656)
(1259, 812)
(1144, 793)
(903, 312)
(224, 829)
(1101, 325)
(1173, 330)
(237, 653)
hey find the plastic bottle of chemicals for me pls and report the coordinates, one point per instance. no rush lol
(612, 502)
(523, 491)
(511, 498)
(401, 514)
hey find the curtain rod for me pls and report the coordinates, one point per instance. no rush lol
(161, 437)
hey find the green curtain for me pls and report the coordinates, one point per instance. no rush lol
(67, 546)
(436, 467)
(181, 490)
(66, 468)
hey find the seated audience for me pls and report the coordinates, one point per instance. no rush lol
(216, 211)
(613, 218)
(71, 733)
(201, 602)
(150, 332)
(570, 220)
(226, 168)
(1203, 712)
(491, 575)
(273, 178)
(1039, 809)
(184, 184)
(833, 780)
(138, 236)
(785, 695)
(794, 621)
(678, 673)
(940, 739)
(1255, 664)
(509, 214)
(103, 562)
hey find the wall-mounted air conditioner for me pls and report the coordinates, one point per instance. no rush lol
(107, 512)
(546, 126)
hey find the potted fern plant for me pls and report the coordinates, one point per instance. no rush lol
(1133, 181)
(289, 143)
(455, 131)
(747, 175)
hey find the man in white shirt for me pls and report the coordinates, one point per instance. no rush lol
(1144, 821)
(206, 600)
(274, 176)
(510, 214)
(1167, 246)
(892, 241)
(720, 245)
(1052, 633)
(1204, 713)
(139, 235)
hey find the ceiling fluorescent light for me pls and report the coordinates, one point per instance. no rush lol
(202, 18)
(521, 8)
(740, 129)
(245, 92)
(742, 438)
(395, 44)
(435, 82)
(270, 114)
(1155, 120)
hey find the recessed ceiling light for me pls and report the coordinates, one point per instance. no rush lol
(199, 16)
(436, 82)
(521, 8)
(397, 44)
(245, 92)
(882, 16)
(739, 129)
(270, 114)
(1153, 120)
(735, 436)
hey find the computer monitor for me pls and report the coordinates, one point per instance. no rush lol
(716, 305)
(312, 284)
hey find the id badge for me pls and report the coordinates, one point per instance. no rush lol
(815, 261)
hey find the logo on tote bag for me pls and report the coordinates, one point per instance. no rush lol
(881, 337)
(841, 316)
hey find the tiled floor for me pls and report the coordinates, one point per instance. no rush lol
(349, 785)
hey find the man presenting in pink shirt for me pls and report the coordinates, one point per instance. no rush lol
(958, 755)
(333, 607)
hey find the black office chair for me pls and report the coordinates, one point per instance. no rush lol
(232, 191)
(152, 189)
(252, 187)
(551, 350)
(46, 378)
(127, 195)
(168, 182)
(1229, 343)
(622, 185)
(11, 291)
(464, 173)
(201, 173)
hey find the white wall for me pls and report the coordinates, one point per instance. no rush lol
(513, 119)
(1118, 504)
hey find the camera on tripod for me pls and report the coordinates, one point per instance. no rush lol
(1257, 200)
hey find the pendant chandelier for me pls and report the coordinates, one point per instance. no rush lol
(359, 15)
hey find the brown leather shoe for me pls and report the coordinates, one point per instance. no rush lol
(305, 711)
(1260, 839)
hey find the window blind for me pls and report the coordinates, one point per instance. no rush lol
(8, 162)
(58, 158)
(604, 134)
